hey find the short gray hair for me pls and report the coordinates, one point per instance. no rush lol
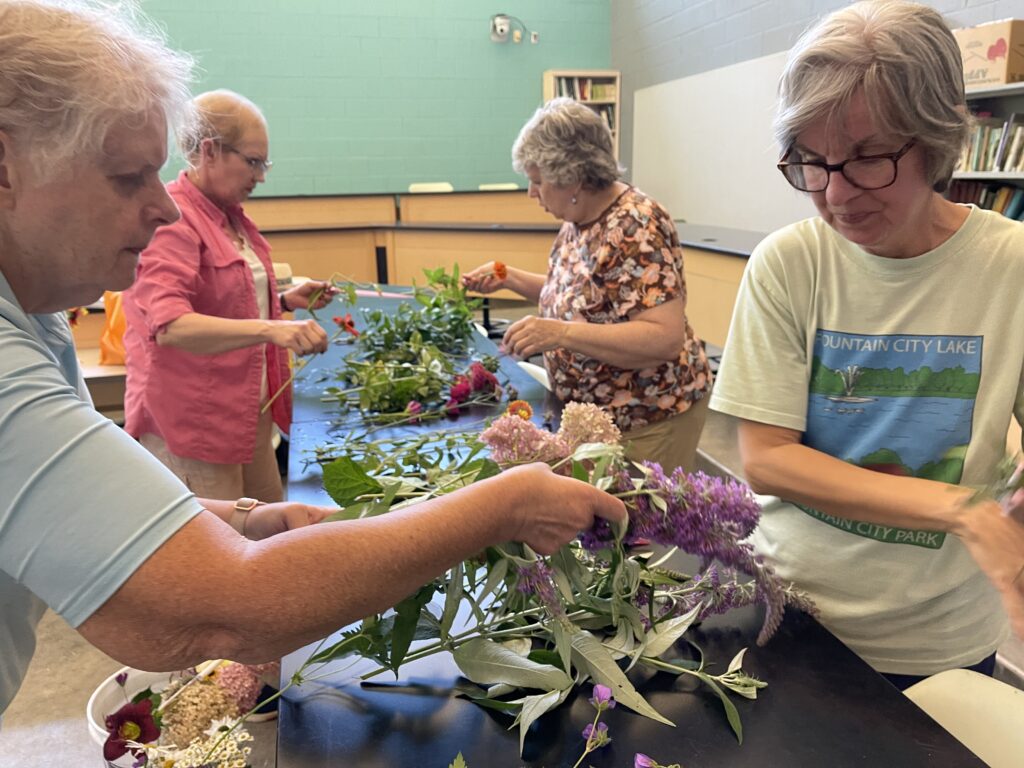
(906, 60)
(569, 144)
(221, 115)
(71, 69)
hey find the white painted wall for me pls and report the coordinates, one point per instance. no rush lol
(703, 148)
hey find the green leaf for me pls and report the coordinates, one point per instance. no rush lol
(663, 636)
(488, 468)
(407, 618)
(346, 481)
(737, 661)
(452, 599)
(494, 578)
(354, 643)
(599, 664)
(479, 696)
(534, 707)
(731, 713)
(579, 471)
(487, 662)
(458, 762)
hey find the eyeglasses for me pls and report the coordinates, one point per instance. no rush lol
(256, 164)
(867, 172)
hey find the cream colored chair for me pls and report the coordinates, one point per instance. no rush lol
(498, 185)
(431, 186)
(537, 372)
(984, 714)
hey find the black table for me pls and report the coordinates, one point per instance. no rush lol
(823, 706)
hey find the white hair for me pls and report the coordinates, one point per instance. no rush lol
(906, 61)
(71, 69)
(569, 144)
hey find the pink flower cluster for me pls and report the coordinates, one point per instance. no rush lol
(513, 440)
(587, 423)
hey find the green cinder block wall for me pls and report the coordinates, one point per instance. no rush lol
(366, 96)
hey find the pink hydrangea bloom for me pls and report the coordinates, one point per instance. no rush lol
(515, 441)
(587, 423)
(241, 683)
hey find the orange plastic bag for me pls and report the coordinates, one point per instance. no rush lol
(112, 339)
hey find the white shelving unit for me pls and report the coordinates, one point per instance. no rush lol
(597, 88)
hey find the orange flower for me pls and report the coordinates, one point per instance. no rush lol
(519, 408)
(500, 270)
(75, 314)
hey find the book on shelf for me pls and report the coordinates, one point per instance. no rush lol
(1015, 207)
(1014, 125)
(1002, 198)
(985, 140)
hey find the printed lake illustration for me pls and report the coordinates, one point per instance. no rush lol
(900, 404)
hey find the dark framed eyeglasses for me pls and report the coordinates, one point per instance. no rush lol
(865, 172)
(256, 164)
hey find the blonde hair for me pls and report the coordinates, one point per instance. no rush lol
(222, 115)
(906, 61)
(70, 70)
(569, 144)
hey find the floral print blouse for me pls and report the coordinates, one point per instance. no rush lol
(627, 261)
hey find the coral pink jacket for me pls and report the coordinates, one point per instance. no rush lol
(203, 406)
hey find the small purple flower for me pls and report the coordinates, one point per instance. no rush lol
(602, 698)
(121, 678)
(643, 761)
(537, 580)
(596, 737)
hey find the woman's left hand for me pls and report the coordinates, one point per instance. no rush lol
(269, 519)
(299, 296)
(533, 335)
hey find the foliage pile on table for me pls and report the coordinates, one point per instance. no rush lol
(412, 364)
(595, 610)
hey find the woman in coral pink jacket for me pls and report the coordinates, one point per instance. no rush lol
(205, 344)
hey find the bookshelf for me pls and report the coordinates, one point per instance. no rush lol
(597, 88)
(991, 172)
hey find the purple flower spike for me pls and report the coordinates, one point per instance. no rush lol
(602, 698)
(643, 761)
(596, 737)
(121, 679)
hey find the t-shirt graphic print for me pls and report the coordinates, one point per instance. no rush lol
(900, 404)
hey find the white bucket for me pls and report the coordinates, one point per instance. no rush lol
(110, 697)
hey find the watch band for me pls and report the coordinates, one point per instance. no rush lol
(240, 513)
(284, 303)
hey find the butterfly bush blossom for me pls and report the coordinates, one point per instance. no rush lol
(703, 515)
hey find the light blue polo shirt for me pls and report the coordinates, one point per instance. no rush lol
(82, 505)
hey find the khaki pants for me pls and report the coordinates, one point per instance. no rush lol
(259, 479)
(671, 443)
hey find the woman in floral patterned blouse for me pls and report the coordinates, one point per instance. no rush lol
(612, 324)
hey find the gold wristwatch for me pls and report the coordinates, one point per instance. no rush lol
(243, 507)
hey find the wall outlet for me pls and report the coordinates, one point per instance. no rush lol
(534, 38)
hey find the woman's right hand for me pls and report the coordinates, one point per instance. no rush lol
(303, 337)
(484, 279)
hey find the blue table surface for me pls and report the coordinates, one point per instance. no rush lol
(823, 705)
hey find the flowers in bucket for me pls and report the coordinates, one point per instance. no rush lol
(537, 627)
(196, 709)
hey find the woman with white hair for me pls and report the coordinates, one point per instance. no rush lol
(205, 345)
(90, 523)
(876, 354)
(612, 324)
